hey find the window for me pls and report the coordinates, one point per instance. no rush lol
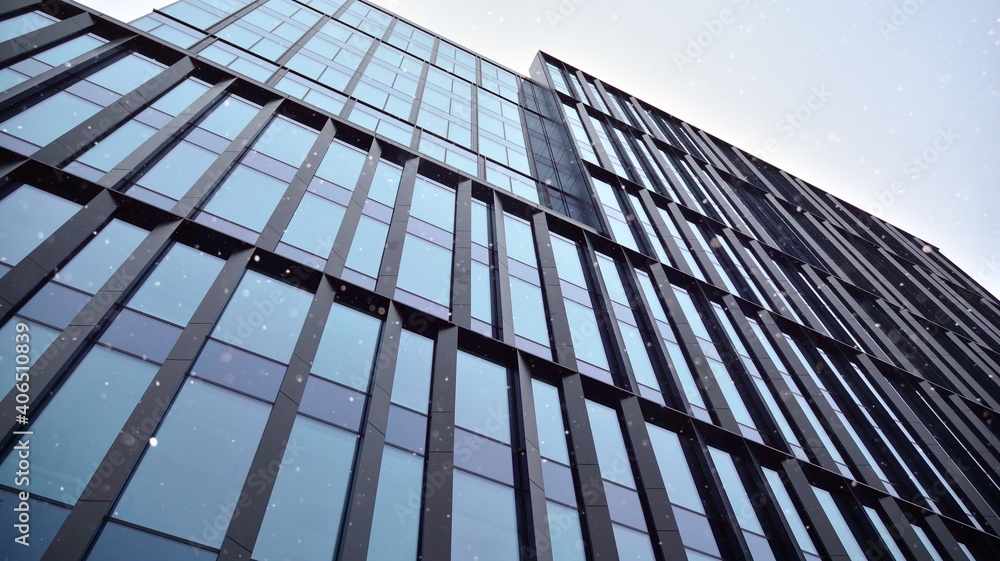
(425, 267)
(396, 527)
(346, 351)
(24, 24)
(177, 285)
(101, 257)
(28, 216)
(189, 480)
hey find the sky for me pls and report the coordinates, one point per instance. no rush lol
(891, 105)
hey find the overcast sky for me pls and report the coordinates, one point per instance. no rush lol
(892, 105)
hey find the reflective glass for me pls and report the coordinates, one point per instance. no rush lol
(121, 542)
(46, 121)
(141, 336)
(189, 481)
(674, 469)
(333, 403)
(586, 334)
(286, 141)
(45, 521)
(177, 285)
(791, 513)
(369, 244)
(180, 97)
(55, 305)
(407, 429)
(24, 24)
(425, 270)
(126, 74)
(27, 217)
(385, 184)
(739, 499)
(77, 438)
(347, 349)
(520, 244)
(264, 316)
(314, 225)
(564, 533)
(632, 545)
(307, 504)
(483, 456)
(528, 309)
(608, 439)
(433, 204)
(411, 383)
(397, 507)
(101, 257)
(549, 418)
(111, 150)
(342, 165)
(484, 520)
(230, 118)
(247, 197)
(481, 397)
(240, 370)
(840, 525)
(177, 171)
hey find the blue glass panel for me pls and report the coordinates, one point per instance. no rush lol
(611, 453)
(739, 499)
(36, 336)
(397, 507)
(141, 335)
(342, 165)
(385, 184)
(27, 217)
(286, 141)
(568, 261)
(425, 270)
(24, 24)
(369, 244)
(189, 481)
(483, 456)
(239, 370)
(177, 285)
(481, 397)
(102, 256)
(264, 316)
(36, 535)
(347, 350)
(406, 429)
(77, 438)
(520, 243)
(126, 74)
(564, 533)
(46, 121)
(69, 50)
(247, 197)
(484, 520)
(314, 225)
(632, 545)
(229, 118)
(558, 482)
(113, 148)
(177, 171)
(624, 506)
(586, 333)
(674, 469)
(180, 97)
(333, 403)
(433, 204)
(696, 531)
(549, 418)
(306, 507)
(528, 308)
(55, 305)
(411, 384)
(121, 542)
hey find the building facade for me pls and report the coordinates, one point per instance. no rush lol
(289, 279)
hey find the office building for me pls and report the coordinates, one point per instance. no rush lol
(287, 279)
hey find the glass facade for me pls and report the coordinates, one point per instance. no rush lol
(290, 279)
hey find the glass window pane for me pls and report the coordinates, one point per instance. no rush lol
(333, 403)
(369, 244)
(264, 316)
(46, 121)
(347, 349)
(433, 204)
(126, 74)
(674, 469)
(230, 118)
(314, 225)
(180, 97)
(425, 270)
(27, 217)
(632, 545)
(586, 334)
(342, 165)
(735, 491)
(121, 542)
(549, 418)
(484, 520)
(481, 397)
(110, 151)
(177, 171)
(247, 197)
(306, 507)
(55, 305)
(385, 184)
(177, 285)
(231, 367)
(286, 141)
(35, 536)
(77, 438)
(24, 24)
(564, 532)
(528, 308)
(411, 385)
(102, 256)
(611, 453)
(39, 339)
(189, 482)
(397, 507)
